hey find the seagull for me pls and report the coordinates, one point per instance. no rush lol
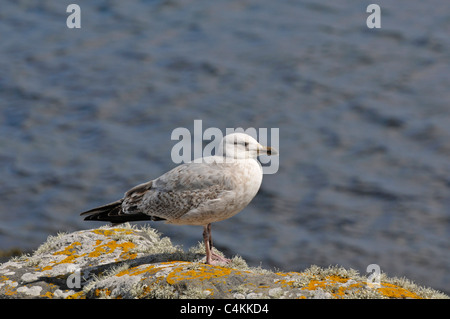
(195, 193)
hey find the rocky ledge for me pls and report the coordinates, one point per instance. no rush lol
(131, 262)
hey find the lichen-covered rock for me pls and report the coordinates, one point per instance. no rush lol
(130, 262)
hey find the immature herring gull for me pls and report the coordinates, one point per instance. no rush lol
(215, 189)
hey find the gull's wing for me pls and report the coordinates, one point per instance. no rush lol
(180, 190)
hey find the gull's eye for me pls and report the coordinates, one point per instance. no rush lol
(245, 143)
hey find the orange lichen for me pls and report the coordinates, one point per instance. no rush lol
(286, 282)
(342, 291)
(151, 269)
(77, 295)
(135, 271)
(8, 290)
(104, 292)
(393, 291)
(288, 274)
(202, 272)
(111, 246)
(328, 281)
(69, 251)
(109, 232)
(332, 285)
(48, 294)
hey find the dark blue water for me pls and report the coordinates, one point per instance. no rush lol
(363, 114)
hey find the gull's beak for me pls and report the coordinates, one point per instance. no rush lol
(267, 150)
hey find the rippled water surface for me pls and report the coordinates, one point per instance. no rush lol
(363, 116)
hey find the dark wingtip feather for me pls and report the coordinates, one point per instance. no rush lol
(113, 213)
(104, 208)
(103, 213)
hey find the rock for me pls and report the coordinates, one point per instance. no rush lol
(131, 262)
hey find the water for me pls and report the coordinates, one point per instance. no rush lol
(363, 114)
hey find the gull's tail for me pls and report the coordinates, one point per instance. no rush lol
(113, 213)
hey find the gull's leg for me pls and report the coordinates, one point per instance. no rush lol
(206, 240)
(210, 236)
(214, 255)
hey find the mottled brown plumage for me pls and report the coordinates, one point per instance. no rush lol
(195, 193)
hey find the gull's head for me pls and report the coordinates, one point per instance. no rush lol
(241, 146)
